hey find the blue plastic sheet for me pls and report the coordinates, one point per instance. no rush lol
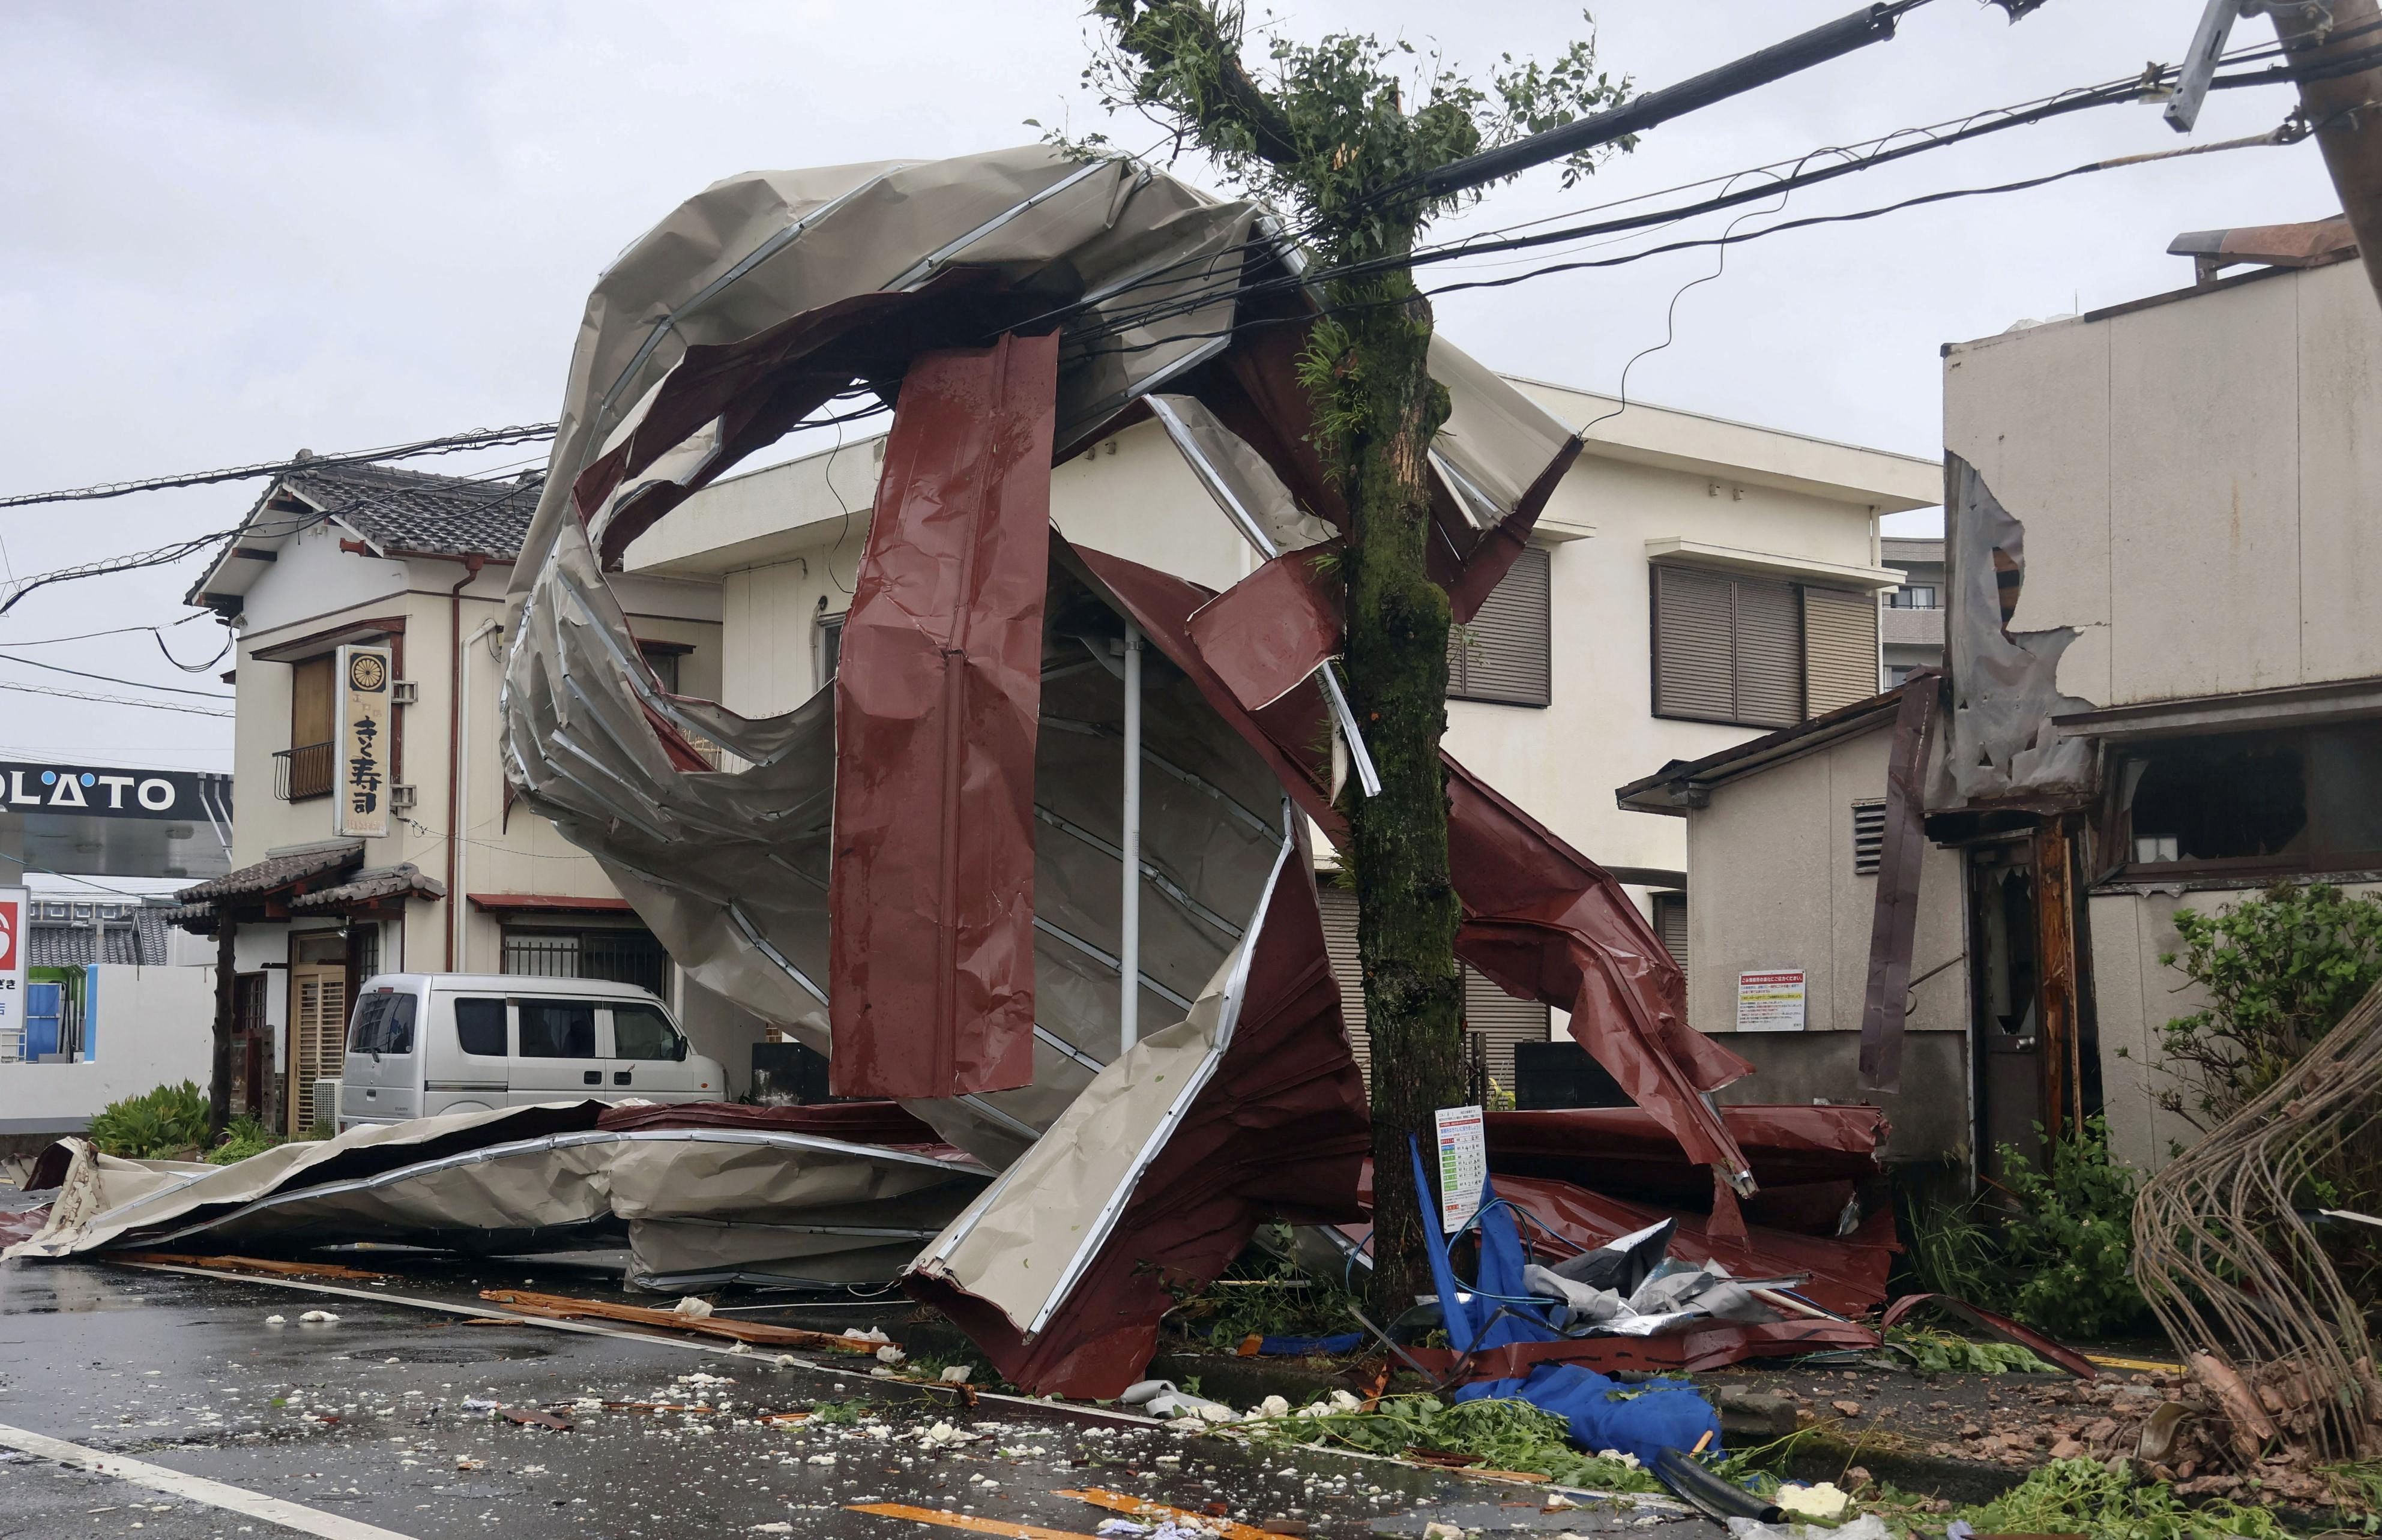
(1601, 1413)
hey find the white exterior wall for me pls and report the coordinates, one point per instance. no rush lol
(145, 1027)
(2200, 480)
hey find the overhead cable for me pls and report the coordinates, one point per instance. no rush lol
(450, 444)
(111, 699)
(111, 678)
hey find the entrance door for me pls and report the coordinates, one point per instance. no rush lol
(2008, 1045)
(318, 1025)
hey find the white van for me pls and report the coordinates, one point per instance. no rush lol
(422, 1044)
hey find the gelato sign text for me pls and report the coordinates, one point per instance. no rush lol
(105, 793)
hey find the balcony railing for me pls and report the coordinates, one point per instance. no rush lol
(302, 772)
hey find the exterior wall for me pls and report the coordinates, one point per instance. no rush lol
(146, 1027)
(1773, 885)
(2134, 996)
(2200, 480)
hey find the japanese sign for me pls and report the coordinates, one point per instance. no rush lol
(1771, 1001)
(12, 967)
(1463, 1166)
(362, 768)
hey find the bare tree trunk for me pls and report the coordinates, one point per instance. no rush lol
(1398, 621)
(219, 1062)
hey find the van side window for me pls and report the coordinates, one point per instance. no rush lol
(641, 1032)
(558, 1029)
(383, 1024)
(480, 1027)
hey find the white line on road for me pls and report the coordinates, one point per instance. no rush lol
(198, 1490)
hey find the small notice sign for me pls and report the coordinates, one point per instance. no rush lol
(1771, 1001)
(1463, 1166)
(362, 769)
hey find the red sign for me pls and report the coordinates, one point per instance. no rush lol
(10, 917)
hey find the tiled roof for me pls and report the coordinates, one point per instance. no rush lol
(414, 510)
(273, 872)
(1903, 548)
(136, 938)
(363, 888)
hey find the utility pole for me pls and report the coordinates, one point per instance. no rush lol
(2317, 32)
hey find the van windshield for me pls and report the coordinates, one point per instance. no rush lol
(383, 1024)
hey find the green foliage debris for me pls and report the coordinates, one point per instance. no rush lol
(1505, 1434)
(2082, 1496)
(2071, 1241)
(1935, 1351)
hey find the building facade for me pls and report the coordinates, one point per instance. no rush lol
(416, 564)
(1692, 584)
(1911, 626)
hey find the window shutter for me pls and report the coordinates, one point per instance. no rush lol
(1671, 925)
(1769, 653)
(1869, 838)
(1839, 648)
(1694, 646)
(1339, 908)
(1503, 654)
(1502, 1021)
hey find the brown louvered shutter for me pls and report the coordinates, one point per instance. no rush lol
(1339, 907)
(1695, 670)
(1671, 925)
(1501, 1021)
(1503, 654)
(1839, 648)
(1769, 653)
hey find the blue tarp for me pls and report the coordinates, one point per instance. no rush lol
(1650, 1418)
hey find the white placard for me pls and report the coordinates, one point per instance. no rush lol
(1463, 1166)
(1771, 1001)
(360, 774)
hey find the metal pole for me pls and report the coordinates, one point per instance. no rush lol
(1129, 841)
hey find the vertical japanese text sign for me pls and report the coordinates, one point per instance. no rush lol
(14, 906)
(362, 771)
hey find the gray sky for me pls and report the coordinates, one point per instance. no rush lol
(235, 229)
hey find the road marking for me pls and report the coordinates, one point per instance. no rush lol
(968, 1521)
(198, 1490)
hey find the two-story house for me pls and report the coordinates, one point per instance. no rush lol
(416, 564)
(1692, 584)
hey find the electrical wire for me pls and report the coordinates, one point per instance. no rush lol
(110, 679)
(110, 699)
(450, 444)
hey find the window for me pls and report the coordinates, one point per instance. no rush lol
(303, 770)
(383, 1024)
(1503, 655)
(480, 1027)
(621, 954)
(1869, 839)
(1913, 596)
(1758, 652)
(1671, 925)
(641, 1032)
(663, 661)
(363, 951)
(830, 647)
(558, 1029)
(2263, 802)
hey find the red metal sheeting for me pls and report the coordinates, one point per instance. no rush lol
(1280, 1131)
(1541, 919)
(1270, 631)
(938, 693)
(1713, 1347)
(1623, 1151)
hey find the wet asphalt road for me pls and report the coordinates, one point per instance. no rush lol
(377, 1417)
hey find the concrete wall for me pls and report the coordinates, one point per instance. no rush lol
(145, 1027)
(2135, 995)
(1773, 885)
(2200, 480)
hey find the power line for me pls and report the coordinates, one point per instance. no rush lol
(110, 679)
(476, 438)
(110, 699)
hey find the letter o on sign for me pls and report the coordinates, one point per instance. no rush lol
(157, 795)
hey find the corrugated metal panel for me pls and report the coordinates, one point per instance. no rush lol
(1869, 838)
(1769, 653)
(1501, 1021)
(1339, 907)
(1839, 648)
(1503, 654)
(1671, 925)
(1695, 670)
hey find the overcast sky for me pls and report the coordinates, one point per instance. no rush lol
(235, 229)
